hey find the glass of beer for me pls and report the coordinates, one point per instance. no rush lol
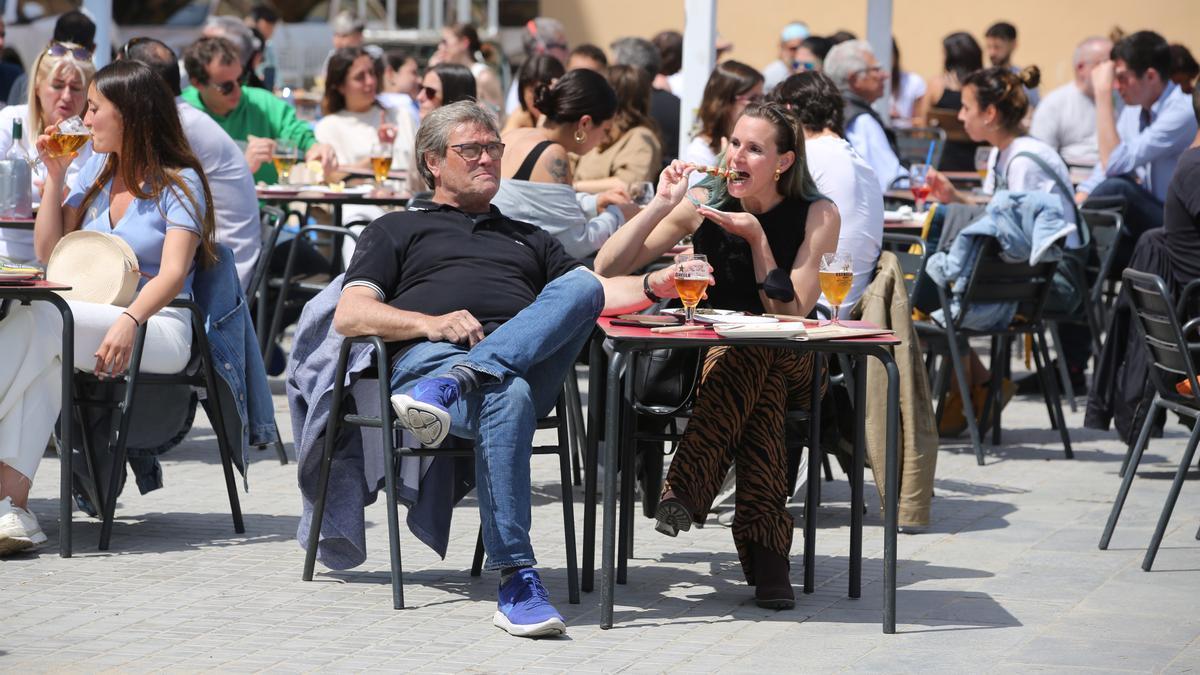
(68, 136)
(381, 162)
(836, 276)
(691, 280)
(284, 158)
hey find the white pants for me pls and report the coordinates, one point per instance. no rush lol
(31, 371)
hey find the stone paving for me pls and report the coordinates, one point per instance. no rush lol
(1009, 579)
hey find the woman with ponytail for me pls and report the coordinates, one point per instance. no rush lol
(764, 226)
(537, 179)
(994, 103)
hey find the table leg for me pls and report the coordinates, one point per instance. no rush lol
(856, 475)
(891, 491)
(597, 362)
(65, 417)
(813, 488)
(612, 435)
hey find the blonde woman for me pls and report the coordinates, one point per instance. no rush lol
(57, 91)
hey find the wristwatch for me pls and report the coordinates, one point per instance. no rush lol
(646, 289)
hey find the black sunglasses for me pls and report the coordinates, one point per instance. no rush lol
(64, 48)
(226, 88)
(431, 93)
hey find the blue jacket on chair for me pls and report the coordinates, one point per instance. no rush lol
(235, 354)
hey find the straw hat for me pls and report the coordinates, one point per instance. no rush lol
(99, 268)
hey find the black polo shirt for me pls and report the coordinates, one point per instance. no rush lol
(435, 259)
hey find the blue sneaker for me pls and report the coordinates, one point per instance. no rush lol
(523, 607)
(425, 410)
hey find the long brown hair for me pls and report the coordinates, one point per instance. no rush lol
(631, 84)
(729, 80)
(153, 147)
(340, 64)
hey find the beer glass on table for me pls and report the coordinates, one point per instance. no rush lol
(836, 276)
(68, 136)
(691, 280)
(381, 162)
(284, 158)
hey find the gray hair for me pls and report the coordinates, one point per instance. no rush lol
(1093, 43)
(235, 31)
(545, 31)
(638, 52)
(346, 23)
(846, 59)
(434, 133)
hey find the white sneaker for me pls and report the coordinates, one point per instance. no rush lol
(19, 529)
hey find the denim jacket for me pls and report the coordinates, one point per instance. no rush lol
(235, 350)
(1030, 228)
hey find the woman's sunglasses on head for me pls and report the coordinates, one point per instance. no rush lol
(76, 51)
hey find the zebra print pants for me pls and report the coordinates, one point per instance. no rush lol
(738, 420)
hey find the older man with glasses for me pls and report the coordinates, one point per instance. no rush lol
(483, 316)
(854, 69)
(250, 115)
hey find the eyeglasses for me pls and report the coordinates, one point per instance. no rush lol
(871, 69)
(473, 151)
(430, 93)
(64, 48)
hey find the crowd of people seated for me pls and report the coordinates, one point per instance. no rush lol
(537, 200)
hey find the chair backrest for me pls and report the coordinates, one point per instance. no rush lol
(996, 280)
(271, 218)
(912, 145)
(1158, 324)
(947, 120)
(1105, 226)
(910, 250)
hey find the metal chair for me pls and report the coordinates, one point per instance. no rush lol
(911, 252)
(199, 373)
(912, 145)
(388, 427)
(994, 280)
(1105, 225)
(1170, 361)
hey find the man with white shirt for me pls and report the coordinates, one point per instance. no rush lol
(229, 178)
(856, 72)
(1066, 118)
(1140, 148)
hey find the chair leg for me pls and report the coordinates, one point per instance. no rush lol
(477, 559)
(1136, 450)
(1132, 440)
(1169, 506)
(568, 499)
(626, 496)
(964, 389)
(280, 451)
(940, 381)
(1042, 370)
(332, 426)
(109, 508)
(596, 387)
(1052, 395)
(212, 407)
(1063, 373)
(578, 429)
(389, 467)
(827, 468)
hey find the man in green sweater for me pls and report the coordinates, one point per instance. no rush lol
(253, 117)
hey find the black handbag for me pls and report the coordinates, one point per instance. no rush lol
(664, 380)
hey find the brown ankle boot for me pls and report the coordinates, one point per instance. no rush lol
(772, 580)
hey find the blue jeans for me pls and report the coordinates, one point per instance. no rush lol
(526, 361)
(1142, 211)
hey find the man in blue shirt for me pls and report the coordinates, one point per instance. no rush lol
(1140, 147)
(854, 69)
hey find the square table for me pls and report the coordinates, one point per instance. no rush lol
(48, 291)
(626, 340)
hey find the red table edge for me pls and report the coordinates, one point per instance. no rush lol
(709, 335)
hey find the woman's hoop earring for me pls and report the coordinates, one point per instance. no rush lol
(580, 136)
(778, 173)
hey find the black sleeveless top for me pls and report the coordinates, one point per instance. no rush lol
(732, 263)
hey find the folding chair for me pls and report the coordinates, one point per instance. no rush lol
(199, 373)
(1170, 361)
(392, 450)
(994, 280)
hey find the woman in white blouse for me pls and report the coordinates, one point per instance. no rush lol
(840, 173)
(354, 120)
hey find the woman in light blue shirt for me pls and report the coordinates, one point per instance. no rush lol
(145, 186)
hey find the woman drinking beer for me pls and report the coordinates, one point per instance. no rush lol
(57, 91)
(764, 227)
